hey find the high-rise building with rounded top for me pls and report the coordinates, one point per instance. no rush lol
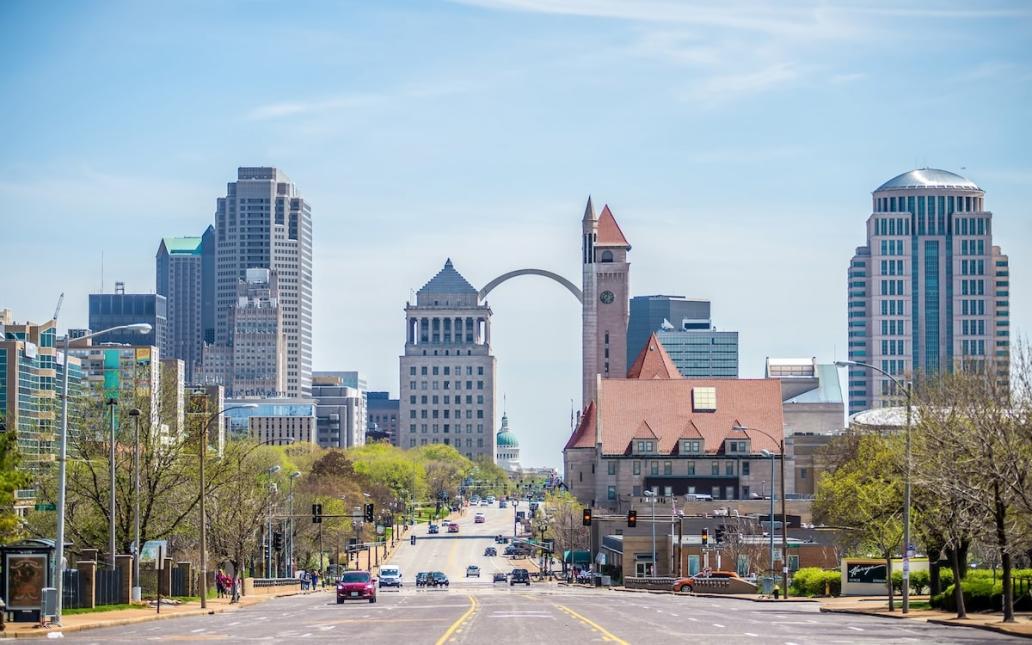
(928, 292)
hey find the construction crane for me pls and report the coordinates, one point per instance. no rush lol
(60, 301)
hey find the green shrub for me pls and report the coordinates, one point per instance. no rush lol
(980, 594)
(813, 581)
(918, 582)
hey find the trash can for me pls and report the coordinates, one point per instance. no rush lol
(767, 585)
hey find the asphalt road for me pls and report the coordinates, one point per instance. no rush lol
(477, 611)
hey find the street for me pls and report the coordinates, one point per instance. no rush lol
(477, 611)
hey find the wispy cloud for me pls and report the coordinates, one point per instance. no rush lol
(359, 100)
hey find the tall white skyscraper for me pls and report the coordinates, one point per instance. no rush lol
(928, 292)
(263, 222)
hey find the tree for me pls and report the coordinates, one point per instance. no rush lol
(445, 469)
(865, 493)
(565, 526)
(11, 479)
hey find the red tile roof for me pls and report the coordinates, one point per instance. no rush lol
(609, 233)
(653, 362)
(665, 406)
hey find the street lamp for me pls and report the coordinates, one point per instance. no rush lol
(908, 390)
(62, 474)
(784, 516)
(270, 471)
(137, 591)
(202, 451)
(651, 494)
(290, 522)
(112, 504)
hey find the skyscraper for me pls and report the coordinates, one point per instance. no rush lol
(263, 222)
(258, 357)
(120, 308)
(447, 372)
(606, 275)
(687, 334)
(185, 276)
(929, 292)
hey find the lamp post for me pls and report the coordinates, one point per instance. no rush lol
(908, 390)
(202, 453)
(290, 522)
(651, 494)
(271, 470)
(62, 458)
(137, 591)
(768, 453)
(784, 515)
(112, 505)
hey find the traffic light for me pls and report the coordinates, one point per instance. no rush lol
(705, 537)
(632, 519)
(587, 517)
(720, 534)
(368, 512)
(277, 541)
(316, 513)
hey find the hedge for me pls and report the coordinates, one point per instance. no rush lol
(812, 581)
(982, 594)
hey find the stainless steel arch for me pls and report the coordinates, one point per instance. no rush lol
(571, 287)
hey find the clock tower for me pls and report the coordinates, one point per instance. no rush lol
(604, 318)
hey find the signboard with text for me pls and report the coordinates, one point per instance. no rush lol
(866, 573)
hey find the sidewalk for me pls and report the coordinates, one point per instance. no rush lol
(95, 620)
(878, 606)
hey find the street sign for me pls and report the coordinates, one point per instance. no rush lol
(707, 572)
(46, 507)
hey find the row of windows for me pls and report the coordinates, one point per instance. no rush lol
(447, 428)
(892, 247)
(892, 288)
(447, 370)
(892, 327)
(447, 399)
(654, 467)
(972, 347)
(447, 385)
(972, 247)
(894, 367)
(972, 287)
(890, 307)
(972, 267)
(892, 267)
(972, 327)
(458, 443)
(945, 203)
(891, 226)
(437, 414)
(892, 348)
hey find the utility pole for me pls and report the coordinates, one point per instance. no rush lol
(784, 528)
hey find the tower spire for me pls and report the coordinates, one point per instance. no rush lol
(589, 211)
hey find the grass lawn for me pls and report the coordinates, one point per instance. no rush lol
(99, 609)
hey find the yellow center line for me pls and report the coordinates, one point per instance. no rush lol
(458, 623)
(590, 623)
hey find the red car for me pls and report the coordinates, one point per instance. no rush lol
(688, 584)
(356, 585)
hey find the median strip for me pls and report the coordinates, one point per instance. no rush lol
(458, 623)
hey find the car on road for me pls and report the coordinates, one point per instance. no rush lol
(503, 504)
(390, 576)
(472, 571)
(499, 577)
(356, 585)
(490, 552)
(687, 584)
(484, 502)
(521, 576)
(433, 529)
(453, 527)
(437, 579)
(422, 578)
(491, 499)
(501, 539)
(479, 518)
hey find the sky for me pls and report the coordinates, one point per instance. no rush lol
(737, 144)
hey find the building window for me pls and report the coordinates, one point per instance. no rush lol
(802, 473)
(745, 468)
(612, 467)
(729, 468)
(715, 468)
(612, 493)
(668, 468)
(636, 467)
(691, 467)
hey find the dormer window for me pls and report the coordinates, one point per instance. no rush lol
(737, 446)
(644, 446)
(691, 446)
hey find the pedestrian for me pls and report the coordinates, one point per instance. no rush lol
(315, 580)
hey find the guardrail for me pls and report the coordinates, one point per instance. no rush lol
(260, 583)
(654, 583)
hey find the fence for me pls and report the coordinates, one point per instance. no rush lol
(108, 586)
(73, 592)
(180, 581)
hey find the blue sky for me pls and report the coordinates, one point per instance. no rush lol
(737, 144)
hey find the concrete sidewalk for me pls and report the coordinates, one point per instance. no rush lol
(878, 606)
(94, 620)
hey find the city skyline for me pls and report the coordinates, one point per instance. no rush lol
(740, 171)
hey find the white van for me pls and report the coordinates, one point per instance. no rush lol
(390, 576)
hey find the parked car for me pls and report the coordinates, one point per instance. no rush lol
(421, 578)
(356, 585)
(687, 584)
(472, 571)
(479, 518)
(501, 539)
(484, 502)
(503, 504)
(437, 579)
(490, 552)
(390, 576)
(499, 577)
(433, 529)
(521, 576)
(453, 527)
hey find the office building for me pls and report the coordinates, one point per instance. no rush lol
(263, 222)
(258, 366)
(203, 404)
(31, 381)
(383, 417)
(277, 421)
(185, 276)
(447, 372)
(687, 334)
(811, 395)
(928, 292)
(109, 310)
(340, 409)
(657, 431)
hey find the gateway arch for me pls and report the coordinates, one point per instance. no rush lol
(571, 287)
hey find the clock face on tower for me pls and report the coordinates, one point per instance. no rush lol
(606, 297)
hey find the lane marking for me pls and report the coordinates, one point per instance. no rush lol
(719, 625)
(856, 629)
(752, 634)
(590, 623)
(458, 623)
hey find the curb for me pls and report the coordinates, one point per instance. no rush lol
(71, 629)
(712, 595)
(934, 621)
